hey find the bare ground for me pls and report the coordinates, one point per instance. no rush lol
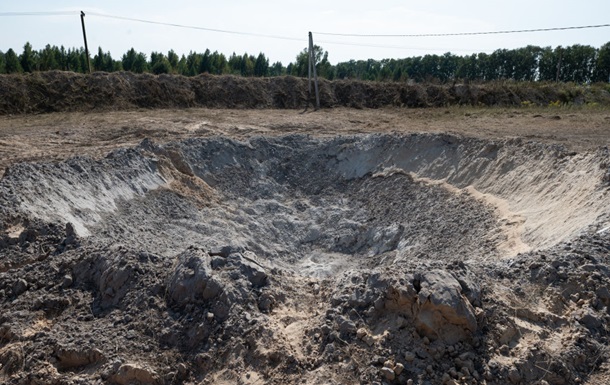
(57, 136)
(228, 250)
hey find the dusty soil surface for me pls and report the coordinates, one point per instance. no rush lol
(58, 136)
(437, 246)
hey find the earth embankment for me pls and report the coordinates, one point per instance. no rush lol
(57, 91)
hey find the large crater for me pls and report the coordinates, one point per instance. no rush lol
(315, 202)
(428, 258)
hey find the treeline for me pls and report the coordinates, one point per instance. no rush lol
(75, 60)
(577, 63)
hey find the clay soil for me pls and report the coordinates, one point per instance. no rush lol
(455, 245)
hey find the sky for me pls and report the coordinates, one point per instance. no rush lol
(293, 20)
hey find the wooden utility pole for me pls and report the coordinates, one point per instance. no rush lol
(82, 21)
(312, 67)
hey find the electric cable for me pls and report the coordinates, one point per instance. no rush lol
(62, 13)
(466, 33)
(195, 27)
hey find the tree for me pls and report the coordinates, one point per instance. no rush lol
(182, 68)
(193, 61)
(159, 64)
(602, 64)
(49, 58)
(134, 62)
(235, 64)
(129, 59)
(219, 64)
(205, 62)
(547, 65)
(63, 59)
(247, 65)
(74, 60)
(301, 65)
(526, 63)
(578, 63)
(276, 69)
(28, 58)
(261, 65)
(140, 65)
(324, 68)
(103, 61)
(2, 63)
(173, 59)
(12, 62)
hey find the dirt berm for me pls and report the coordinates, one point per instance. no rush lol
(55, 91)
(397, 259)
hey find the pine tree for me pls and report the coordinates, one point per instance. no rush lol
(2, 63)
(28, 58)
(12, 62)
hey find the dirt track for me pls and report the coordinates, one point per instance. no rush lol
(452, 246)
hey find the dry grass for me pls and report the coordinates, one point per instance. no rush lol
(57, 91)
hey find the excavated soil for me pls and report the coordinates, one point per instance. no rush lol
(315, 258)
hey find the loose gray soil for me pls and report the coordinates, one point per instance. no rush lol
(386, 257)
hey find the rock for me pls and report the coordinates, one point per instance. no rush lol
(71, 236)
(369, 340)
(346, 326)
(409, 382)
(226, 251)
(443, 311)
(130, 373)
(361, 333)
(192, 280)
(115, 278)
(67, 281)
(453, 373)
(20, 286)
(249, 267)
(388, 373)
(470, 288)
(513, 375)
(603, 293)
(11, 359)
(73, 357)
(399, 368)
(182, 371)
(388, 364)
(6, 333)
(587, 317)
(266, 302)
(409, 356)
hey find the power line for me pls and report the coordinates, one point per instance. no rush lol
(196, 27)
(466, 33)
(390, 46)
(64, 13)
(242, 33)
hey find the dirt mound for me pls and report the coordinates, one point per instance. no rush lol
(426, 259)
(55, 91)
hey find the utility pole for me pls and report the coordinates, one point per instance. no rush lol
(82, 21)
(312, 67)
